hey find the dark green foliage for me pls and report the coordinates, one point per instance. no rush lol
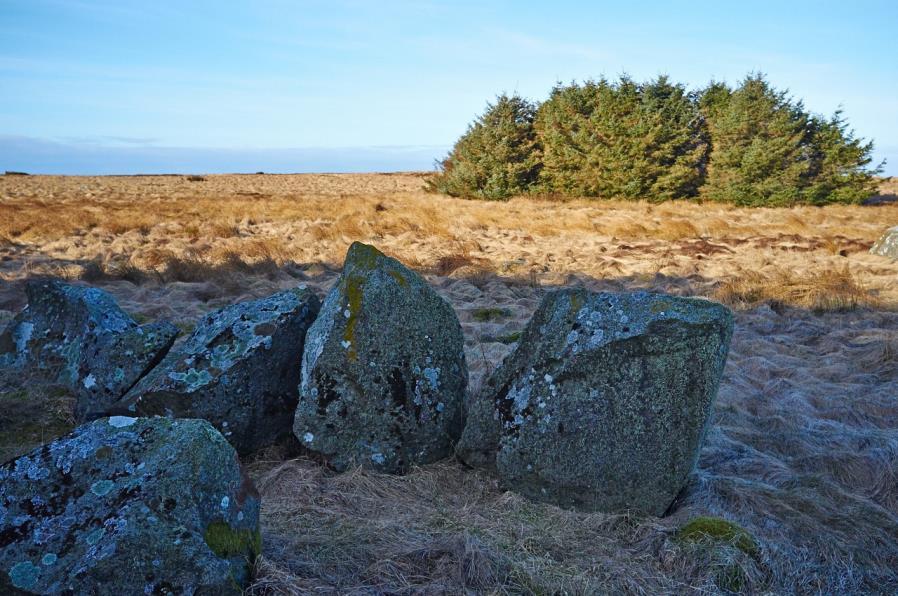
(622, 139)
(769, 151)
(752, 146)
(759, 137)
(840, 172)
(497, 157)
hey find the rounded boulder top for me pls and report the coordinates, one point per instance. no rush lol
(384, 374)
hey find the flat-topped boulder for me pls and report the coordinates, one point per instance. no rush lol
(239, 370)
(604, 402)
(383, 372)
(128, 506)
(887, 245)
(79, 337)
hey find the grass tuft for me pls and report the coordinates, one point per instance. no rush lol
(827, 290)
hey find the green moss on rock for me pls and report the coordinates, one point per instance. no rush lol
(400, 279)
(364, 256)
(354, 285)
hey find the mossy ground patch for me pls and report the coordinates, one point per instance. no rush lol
(716, 529)
(227, 542)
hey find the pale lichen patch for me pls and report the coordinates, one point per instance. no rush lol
(121, 421)
(24, 575)
(101, 488)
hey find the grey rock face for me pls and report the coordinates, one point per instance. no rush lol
(603, 404)
(384, 374)
(83, 340)
(239, 370)
(128, 506)
(887, 245)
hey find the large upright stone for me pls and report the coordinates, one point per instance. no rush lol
(384, 374)
(604, 402)
(239, 370)
(887, 245)
(128, 506)
(84, 341)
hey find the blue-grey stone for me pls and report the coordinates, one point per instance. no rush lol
(128, 506)
(80, 338)
(239, 370)
(383, 373)
(605, 400)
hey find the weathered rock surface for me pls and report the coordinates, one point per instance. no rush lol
(887, 245)
(384, 373)
(128, 506)
(81, 339)
(239, 370)
(604, 402)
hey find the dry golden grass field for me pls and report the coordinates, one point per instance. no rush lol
(802, 451)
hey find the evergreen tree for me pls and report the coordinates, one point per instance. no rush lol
(497, 157)
(839, 171)
(622, 139)
(768, 150)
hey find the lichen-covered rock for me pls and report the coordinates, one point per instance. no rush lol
(128, 506)
(604, 402)
(239, 370)
(82, 339)
(384, 374)
(887, 245)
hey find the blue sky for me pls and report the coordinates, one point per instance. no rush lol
(96, 86)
